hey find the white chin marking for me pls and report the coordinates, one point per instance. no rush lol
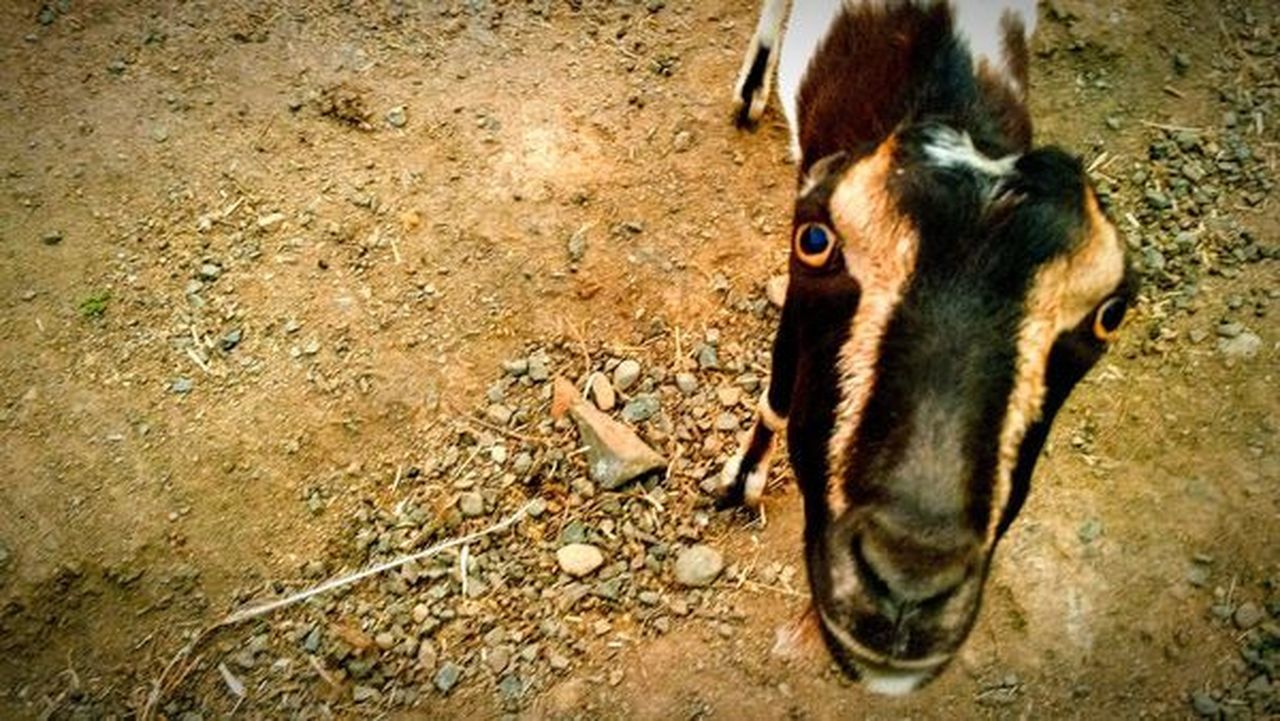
(898, 684)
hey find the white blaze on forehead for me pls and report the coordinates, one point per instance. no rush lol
(951, 148)
(1061, 295)
(880, 252)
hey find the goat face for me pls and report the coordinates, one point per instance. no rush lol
(942, 305)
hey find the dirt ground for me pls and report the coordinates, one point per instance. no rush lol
(251, 249)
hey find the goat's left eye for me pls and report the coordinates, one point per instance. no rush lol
(814, 242)
(1108, 318)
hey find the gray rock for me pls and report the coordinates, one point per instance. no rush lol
(626, 375)
(775, 289)
(577, 245)
(698, 566)
(499, 414)
(726, 422)
(361, 694)
(471, 504)
(1246, 345)
(579, 559)
(708, 359)
(602, 392)
(53, 237)
(511, 687)
(397, 117)
(641, 408)
(1158, 200)
(231, 339)
(687, 383)
(729, 396)
(1204, 704)
(574, 531)
(447, 677)
(209, 272)
(497, 659)
(615, 455)
(1230, 329)
(539, 367)
(182, 385)
(1248, 615)
(537, 507)
(516, 366)
(522, 463)
(385, 640)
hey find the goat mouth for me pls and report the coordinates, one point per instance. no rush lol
(872, 666)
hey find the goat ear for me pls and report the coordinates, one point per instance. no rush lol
(823, 169)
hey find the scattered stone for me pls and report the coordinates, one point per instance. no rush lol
(1248, 615)
(682, 141)
(267, 222)
(708, 359)
(641, 408)
(577, 245)
(615, 455)
(53, 237)
(1230, 329)
(361, 694)
(602, 392)
(209, 272)
(231, 340)
(698, 566)
(579, 559)
(471, 504)
(516, 367)
(687, 383)
(726, 422)
(539, 368)
(626, 375)
(1246, 345)
(776, 290)
(1204, 704)
(397, 117)
(447, 677)
(182, 385)
(729, 396)
(499, 415)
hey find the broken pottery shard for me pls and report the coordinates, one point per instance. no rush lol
(615, 454)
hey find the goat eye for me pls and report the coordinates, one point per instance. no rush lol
(814, 242)
(1107, 320)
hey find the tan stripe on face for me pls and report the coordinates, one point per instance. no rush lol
(880, 253)
(1062, 294)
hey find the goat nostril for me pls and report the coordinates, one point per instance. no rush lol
(874, 583)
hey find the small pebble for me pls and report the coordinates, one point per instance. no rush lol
(579, 559)
(471, 504)
(687, 383)
(447, 677)
(602, 392)
(698, 566)
(626, 375)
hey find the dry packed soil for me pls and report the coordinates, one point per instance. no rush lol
(284, 286)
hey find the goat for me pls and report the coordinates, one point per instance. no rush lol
(948, 286)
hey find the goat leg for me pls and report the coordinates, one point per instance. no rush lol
(755, 80)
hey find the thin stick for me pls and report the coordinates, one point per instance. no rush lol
(195, 358)
(462, 568)
(1171, 128)
(266, 608)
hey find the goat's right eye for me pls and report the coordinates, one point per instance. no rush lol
(814, 242)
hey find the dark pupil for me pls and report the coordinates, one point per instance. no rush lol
(1112, 314)
(813, 240)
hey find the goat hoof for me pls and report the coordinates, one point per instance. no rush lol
(740, 487)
